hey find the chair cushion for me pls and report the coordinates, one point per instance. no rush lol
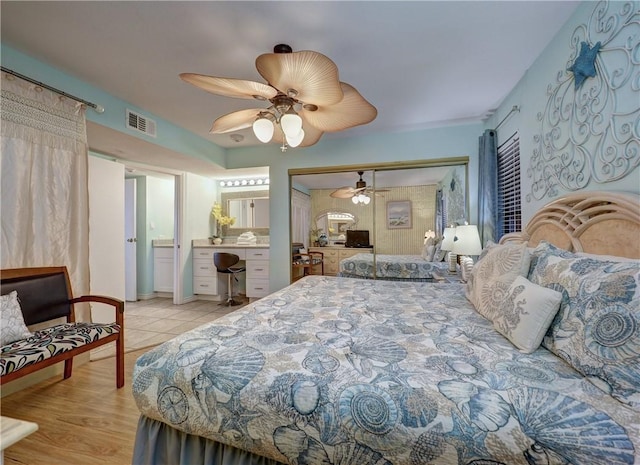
(50, 342)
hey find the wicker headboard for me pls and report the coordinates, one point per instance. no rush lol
(604, 223)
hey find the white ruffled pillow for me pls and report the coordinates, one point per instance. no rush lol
(526, 313)
(12, 327)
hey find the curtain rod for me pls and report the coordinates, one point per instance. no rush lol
(97, 108)
(513, 109)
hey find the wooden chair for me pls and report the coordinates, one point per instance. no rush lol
(305, 261)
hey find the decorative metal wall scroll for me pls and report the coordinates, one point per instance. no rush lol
(590, 127)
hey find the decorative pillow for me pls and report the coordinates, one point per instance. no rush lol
(491, 277)
(526, 313)
(485, 250)
(428, 251)
(439, 254)
(12, 327)
(597, 329)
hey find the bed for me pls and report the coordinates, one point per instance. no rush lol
(391, 267)
(334, 370)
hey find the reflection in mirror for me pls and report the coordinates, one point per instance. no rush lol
(335, 224)
(249, 213)
(432, 193)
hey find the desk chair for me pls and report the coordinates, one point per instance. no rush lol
(227, 263)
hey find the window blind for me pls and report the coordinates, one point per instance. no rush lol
(509, 206)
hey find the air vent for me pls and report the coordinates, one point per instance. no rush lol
(140, 123)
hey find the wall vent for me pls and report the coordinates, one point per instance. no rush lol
(140, 123)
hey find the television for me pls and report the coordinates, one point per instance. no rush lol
(357, 238)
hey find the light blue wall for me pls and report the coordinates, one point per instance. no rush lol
(532, 95)
(168, 135)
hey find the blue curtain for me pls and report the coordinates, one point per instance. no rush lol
(440, 219)
(488, 187)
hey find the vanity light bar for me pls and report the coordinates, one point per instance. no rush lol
(244, 182)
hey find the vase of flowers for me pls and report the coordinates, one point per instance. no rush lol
(221, 220)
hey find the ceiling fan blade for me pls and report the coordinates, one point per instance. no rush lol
(352, 111)
(311, 136)
(312, 75)
(343, 193)
(235, 121)
(346, 192)
(229, 87)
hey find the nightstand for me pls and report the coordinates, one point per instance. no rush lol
(443, 276)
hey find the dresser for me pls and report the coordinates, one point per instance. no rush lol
(333, 254)
(206, 279)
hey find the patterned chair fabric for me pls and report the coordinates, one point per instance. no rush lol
(50, 342)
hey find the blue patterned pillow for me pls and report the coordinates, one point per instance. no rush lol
(597, 329)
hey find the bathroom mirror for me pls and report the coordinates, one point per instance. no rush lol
(248, 218)
(249, 212)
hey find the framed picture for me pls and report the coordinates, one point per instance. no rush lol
(399, 214)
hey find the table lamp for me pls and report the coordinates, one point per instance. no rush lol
(448, 237)
(467, 243)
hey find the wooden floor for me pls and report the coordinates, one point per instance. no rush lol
(82, 420)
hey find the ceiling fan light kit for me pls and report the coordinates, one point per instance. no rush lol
(359, 194)
(306, 96)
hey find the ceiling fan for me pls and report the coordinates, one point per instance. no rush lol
(357, 194)
(307, 99)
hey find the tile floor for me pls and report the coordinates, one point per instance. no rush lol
(151, 322)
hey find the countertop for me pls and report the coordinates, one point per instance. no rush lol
(230, 245)
(206, 243)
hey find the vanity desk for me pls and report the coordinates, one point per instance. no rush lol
(333, 254)
(207, 281)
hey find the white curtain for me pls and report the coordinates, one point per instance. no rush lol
(300, 217)
(45, 206)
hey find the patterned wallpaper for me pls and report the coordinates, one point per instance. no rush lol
(589, 129)
(387, 241)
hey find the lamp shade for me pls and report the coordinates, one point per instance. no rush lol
(291, 124)
(467, 240)
(447, 238)
(263, 129)
(295, 141)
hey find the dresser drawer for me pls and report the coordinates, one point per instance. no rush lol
(257, 254)
(207, 286)
(204, 267)
(202, 253)
(257, 287)
(257, 269)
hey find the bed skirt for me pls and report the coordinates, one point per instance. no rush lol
(344, 274)
(158, 444)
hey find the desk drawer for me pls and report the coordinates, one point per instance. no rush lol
(257, 287)
(207, 286)
(257, 269)
(203, 253)
(257, 254)
(204, 267)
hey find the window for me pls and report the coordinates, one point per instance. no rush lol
(509, 208)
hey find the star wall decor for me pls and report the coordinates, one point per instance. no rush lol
(585, 64)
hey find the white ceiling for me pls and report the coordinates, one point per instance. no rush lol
(420, 63)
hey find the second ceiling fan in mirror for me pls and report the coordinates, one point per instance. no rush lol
(358, 194)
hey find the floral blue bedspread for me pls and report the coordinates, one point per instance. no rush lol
(354, 372)
(391, 267)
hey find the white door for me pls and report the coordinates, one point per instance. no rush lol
(106, 234)
(130, 270)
